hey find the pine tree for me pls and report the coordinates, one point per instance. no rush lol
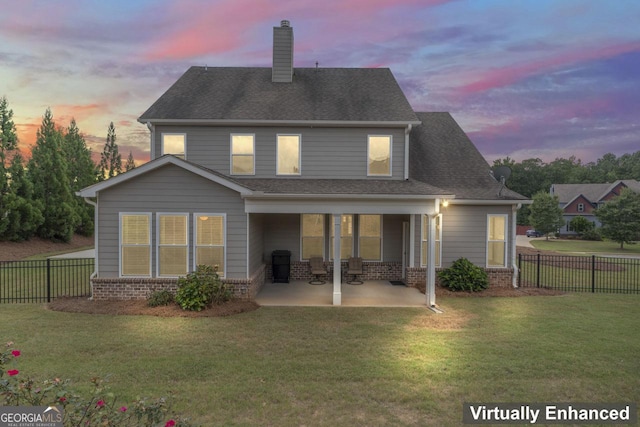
(19, 214)
(110, 159)
(131, 164)
(47, 170)
(81, 172)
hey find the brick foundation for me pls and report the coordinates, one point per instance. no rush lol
(370, 271)
(498, 277)
(123, 288)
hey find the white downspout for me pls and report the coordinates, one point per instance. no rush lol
(95, 242)
(337, 268)
(406, 152)
(152, 148)
(514, 263)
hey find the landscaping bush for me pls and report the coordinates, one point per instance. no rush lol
(201, 288)
(593, 234)
(158, 298)
(99, 408)
(463, 275)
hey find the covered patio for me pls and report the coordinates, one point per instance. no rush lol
(372, 293)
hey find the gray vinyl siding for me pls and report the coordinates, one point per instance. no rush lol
(392, 237)
(282, 232)
(282, 54)
(171, 189)
(256, 241)
(326, 152)
(464, 233)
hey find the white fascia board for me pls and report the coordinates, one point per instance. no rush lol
(92, 190)
(310, 123)
(329, 197)
(341, 206)
(489, 202)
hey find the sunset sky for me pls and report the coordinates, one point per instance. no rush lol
(538, 78)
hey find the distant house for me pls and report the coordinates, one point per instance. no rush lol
(320, 162)
(583, 199)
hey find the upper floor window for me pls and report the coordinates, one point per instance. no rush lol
(288, 157)
(580, 207)
(243, 155)
(379, 155)
(174, 143)
(496, 240)
(370, 241)
(312, 235)
(346, 237)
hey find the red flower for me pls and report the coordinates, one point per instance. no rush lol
(170, 423)
(100, 403)
(13, 372)
(15, 353)
(123, 409)
(62, 399)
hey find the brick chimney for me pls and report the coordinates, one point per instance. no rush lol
(282, 71)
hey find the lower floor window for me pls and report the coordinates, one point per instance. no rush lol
(135, 244)
(312, 236)
(210, 241)
(370, 231)
(497, 240)
(172, 245)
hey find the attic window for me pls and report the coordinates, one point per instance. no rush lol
(379, 155)
(580, 207)
(175, 144)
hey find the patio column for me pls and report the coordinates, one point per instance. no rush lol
(337, 267)
(430, 291)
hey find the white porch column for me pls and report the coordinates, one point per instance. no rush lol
(337, 268)
(430, 291)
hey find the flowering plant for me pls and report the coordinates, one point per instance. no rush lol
(99, 408)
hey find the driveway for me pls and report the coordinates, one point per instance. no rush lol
(89, 253)
(524, 241)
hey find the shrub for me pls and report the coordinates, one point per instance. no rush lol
(464, 276)
(593, 234)
(201, 288)
(158, 298)
(98, 407)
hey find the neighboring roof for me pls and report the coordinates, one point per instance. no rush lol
(442, 155)
(241, 94)
(593, 192)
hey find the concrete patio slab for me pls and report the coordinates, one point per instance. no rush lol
(373, 293)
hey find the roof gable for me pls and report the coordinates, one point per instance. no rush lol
(593, 192)
(241, 94)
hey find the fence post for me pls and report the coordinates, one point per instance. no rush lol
(538, 271)
(519, 268)
(48, 279)
(593, 274)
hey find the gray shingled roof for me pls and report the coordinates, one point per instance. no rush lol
(442, 155)
(341, 186)
(593, 192)
(323, 94)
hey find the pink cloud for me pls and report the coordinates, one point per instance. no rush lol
(500, 77)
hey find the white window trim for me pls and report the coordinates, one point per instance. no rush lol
(438, 264)
(324, 236)
(381, 238)
(224, 240)
(173, 133)
(120, 215)
(231, 155)
(299, 154)
(186, 262)
(390, 154)
(353, 237)
(506, 240)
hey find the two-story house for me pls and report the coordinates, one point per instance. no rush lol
(583, 199)
(329, 162)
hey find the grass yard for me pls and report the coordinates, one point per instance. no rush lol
(585, 246)
(347, 366)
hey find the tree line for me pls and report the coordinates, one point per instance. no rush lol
(37, 196)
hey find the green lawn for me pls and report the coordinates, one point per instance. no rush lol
(585, 246)
(347, 366)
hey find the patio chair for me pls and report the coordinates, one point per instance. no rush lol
(355, 269)
(317, 269)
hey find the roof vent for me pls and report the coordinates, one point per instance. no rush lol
(284, 23)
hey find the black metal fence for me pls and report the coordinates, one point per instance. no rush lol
(580, 273)
(44, 280)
